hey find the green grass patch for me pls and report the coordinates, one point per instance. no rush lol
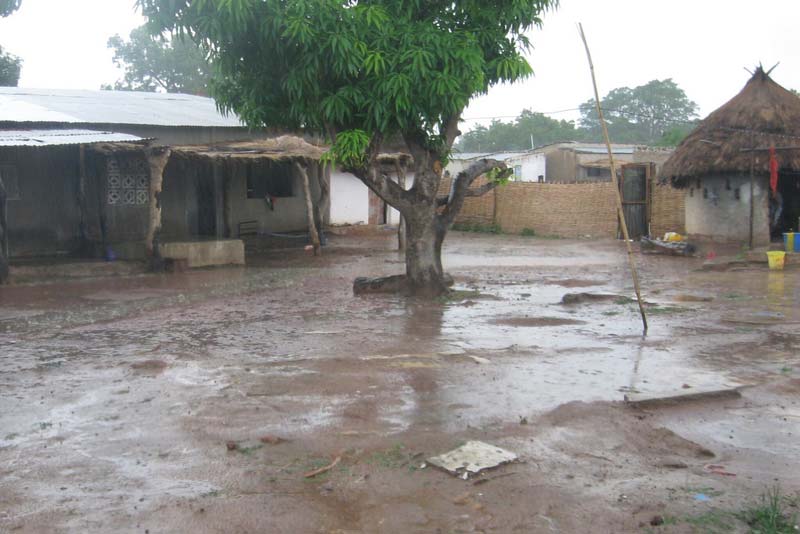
(772, 515)
(478, 228)
(665, 310)
(528, 232)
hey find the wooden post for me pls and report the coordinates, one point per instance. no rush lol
(401, 225)
(618, 195)
(4, 254)
(157, 158)
(324, 199)
(752, 188)
(312, 228)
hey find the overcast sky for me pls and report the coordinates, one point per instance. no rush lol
(704, 45)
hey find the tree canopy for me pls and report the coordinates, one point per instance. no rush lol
(656, 113)
(529, 130)
(9, 6)
(158, 63)
(363, 71)
(642, 114)
(10, 69)
(10, 65)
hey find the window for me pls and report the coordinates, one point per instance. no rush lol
(541, 178)
(518, 173)
(128, 181)
(598, 172)
(8, 173)
(272, 179)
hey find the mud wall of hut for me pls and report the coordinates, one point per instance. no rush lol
(43, 212)
(718, 209)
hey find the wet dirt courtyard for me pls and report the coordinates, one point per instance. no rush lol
(197, 402)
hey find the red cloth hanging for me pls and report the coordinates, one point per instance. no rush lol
(773, 171)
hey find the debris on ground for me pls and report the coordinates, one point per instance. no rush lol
(272, 440)
(472, 458)
(672, 248)
(676, 397)
(718, 470)
(583, 298)
(325, 469)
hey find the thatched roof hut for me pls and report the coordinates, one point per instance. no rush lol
(761, 116)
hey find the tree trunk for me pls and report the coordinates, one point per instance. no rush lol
(424, 254)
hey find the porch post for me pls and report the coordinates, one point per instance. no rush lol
(157, 158)
(312, 228)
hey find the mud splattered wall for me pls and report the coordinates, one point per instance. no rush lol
(44, 219)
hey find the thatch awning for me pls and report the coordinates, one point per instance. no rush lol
(739, 134)
(283, 148)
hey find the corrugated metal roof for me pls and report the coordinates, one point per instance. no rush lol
(110, 107)
(489, 155)
(604, 150)
(61, 137)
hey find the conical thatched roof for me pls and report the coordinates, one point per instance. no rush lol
(762, 115)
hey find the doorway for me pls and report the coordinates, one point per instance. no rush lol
(635, 188)
(784, 208)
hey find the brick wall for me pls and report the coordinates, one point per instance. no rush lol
(566, 210)
(667, 210)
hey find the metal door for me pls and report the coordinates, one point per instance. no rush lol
(635, 189)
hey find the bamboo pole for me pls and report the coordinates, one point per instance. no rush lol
(312, 227)
(618, 195)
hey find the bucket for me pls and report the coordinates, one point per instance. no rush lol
(776, 259)
(791, 242)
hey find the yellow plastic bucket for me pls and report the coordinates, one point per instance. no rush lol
(776, 259)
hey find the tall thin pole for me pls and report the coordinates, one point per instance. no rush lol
(752, 188)
(618, 195)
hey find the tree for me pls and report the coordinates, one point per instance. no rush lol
(10, 69)
(153, 63)
(10, 65)
(530, 128)
(7, 7)
(641, 114)
(363, 71)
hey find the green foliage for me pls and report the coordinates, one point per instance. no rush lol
(153, 63)
(642, 114)
(7, 7)
(349, 149)
(528, 232)
(10, 69)
(529, 127)
(382, 67)
(770, 515)
(478, 228)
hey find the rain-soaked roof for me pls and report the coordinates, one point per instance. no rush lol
(110, 107)
(61, 137)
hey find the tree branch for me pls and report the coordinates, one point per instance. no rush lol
(384, 187)
(450, 129)
(460, 188)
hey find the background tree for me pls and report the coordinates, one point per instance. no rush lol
(10, 65)
(529, 128)
(157, 63)
(362, 71)
(10, 69)
(7, 7)
(641, 114)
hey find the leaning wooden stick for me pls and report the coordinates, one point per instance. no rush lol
(618, 196)
(315, 472)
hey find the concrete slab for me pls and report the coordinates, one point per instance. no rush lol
(205, 253)
(472, 458)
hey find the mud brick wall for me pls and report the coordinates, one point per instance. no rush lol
(667, 210)
(476, 210)
(565, 210)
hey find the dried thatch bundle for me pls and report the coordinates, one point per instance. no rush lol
(283, 148)
(761, 116)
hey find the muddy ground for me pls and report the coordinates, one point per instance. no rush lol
(138, 404)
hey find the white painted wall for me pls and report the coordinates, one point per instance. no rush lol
(533, 165)
(349, 199)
